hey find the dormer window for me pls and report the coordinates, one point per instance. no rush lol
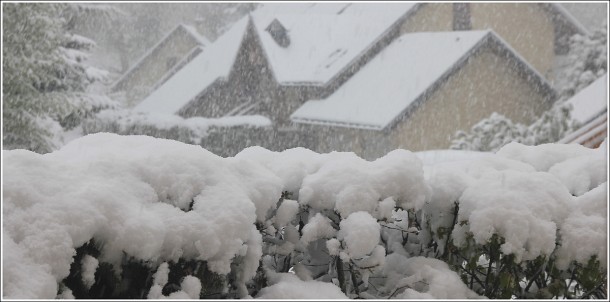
(279, 33)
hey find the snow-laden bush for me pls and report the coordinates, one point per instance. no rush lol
(494, 132)
(586, 61)
(111, 216)
(190, 130)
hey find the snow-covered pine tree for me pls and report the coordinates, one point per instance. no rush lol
(45, 77)
(34, 74)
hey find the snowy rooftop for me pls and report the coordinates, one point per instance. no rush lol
(214, 63)
(324, 38)
(203, 41)
(396, 77)
(193, 32)
(591, 101)
(563, 12)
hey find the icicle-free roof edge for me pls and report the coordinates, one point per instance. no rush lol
(308, 111)
(213, 64)
(140, 60)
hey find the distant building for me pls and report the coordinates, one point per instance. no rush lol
(424, 87)
(157, 65)
(538, 31)
(282, 55)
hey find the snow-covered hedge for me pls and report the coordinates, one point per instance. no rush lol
(191, 130)
(110, 216)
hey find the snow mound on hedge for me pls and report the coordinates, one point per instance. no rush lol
(523, 208)
(579, 168)
(360, 232)
(159, 200)
(423, 278)
(289, 286)
(583, 233)
(544, 156)
(350, 184)
(448, 180)
(132, 194)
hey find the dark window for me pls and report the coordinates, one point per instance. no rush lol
(461, 16)
(279, 33)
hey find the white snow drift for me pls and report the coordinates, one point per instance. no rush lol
(160, 200)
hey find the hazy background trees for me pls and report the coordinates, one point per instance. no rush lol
(58, 57)
(45, 74)
(140, 26)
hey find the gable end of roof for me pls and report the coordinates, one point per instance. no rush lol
(180, 27)
(496, 43)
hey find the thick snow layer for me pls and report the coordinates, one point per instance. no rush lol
(89, 266)
(448, 178)
(324, 38)
(316, 228)
(127, 119)
(543, 157)
(423, 278)
(398, 75)
(212, 64)
(437, 156)
(21, 276)
(159, 200)
(289, 286)
(360, 232)
(286, 212)
(132, 194)
(350, 184)
(384, 209)
(291, 165)
(191, 286)
(591, 101)
(583, 233)
(334, 246)
(160, 277)
(523, 208)
(322, 180)
(583, 173)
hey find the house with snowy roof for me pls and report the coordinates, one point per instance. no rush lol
(178, 47)
(538, 31)
(590, 110)
(282, 55)
(271, 61)
(422, 88)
